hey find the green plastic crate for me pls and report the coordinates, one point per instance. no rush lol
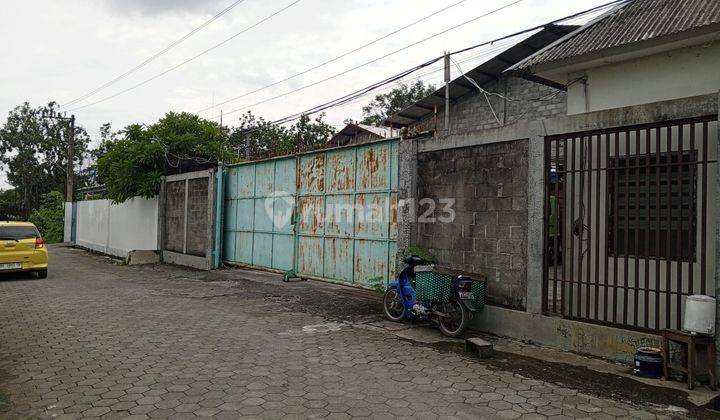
(478, 290)
(433, 287)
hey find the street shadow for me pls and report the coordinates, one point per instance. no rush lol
(19, 276)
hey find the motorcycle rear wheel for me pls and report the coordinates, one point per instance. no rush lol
(393, 305)
(457, 322)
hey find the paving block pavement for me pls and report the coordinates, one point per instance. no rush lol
(98, 340)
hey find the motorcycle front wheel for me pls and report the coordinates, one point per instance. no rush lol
(457, 320)
(393, 305)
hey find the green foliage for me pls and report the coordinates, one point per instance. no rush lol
(33, 151)
(10, 205)
(377, 284)
(387, 104)
(50, 217)
(107, 141)
(134, 165)
(418, 251)
(4, 400)
(256, 138)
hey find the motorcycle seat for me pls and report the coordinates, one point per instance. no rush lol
(414, 260)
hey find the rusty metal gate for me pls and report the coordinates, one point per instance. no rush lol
(329, 214)
(259, 201)
(628, 212)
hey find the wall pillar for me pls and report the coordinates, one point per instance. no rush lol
(535, 231)
(407, 193)
(716, 175)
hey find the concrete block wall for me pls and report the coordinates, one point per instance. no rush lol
(521, 100)
(489, 232)
(197, 223)
(187, 219)
(530, 323)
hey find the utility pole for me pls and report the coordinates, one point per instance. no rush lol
(447, 91)
(70, 179)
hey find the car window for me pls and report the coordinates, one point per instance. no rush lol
(18, 232)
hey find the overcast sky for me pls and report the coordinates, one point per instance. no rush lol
(59, 50)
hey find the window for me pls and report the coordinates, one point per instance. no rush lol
(650, 209)
(18, 232)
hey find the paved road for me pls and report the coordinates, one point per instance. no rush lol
(100, 340)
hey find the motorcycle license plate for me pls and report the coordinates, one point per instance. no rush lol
(467, 295)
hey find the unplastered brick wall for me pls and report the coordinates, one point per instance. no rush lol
(522, 100)
(489, 232)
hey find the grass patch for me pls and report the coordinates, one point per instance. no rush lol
(4, 400)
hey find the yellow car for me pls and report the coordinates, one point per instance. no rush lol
(22, 249)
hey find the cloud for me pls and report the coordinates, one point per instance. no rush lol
(156, 7)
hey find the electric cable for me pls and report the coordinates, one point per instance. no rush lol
(154, 56)
(374, 60)
(505, 37)
(164, 72)
(324, 63)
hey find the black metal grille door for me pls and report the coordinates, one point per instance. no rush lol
(628, 212)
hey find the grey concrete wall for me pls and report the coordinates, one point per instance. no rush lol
(581, 337)
(174, 231)
(521, 100)
(198, 216)
(618, 117)
(187, 219)
(535, 223)
(407, 194)
(530, 325)
(489, 232)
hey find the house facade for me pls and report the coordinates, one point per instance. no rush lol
(586, 194)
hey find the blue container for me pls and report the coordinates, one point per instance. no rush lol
(649, 362)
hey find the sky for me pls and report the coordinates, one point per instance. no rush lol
(61, 50)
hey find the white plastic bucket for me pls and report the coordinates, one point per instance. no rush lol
(699, 315)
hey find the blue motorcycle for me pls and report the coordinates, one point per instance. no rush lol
(452, 314)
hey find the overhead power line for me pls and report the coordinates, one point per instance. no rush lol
(146, 81)
(154, 56)
(367, 63)
(324, 63)
(364, 91)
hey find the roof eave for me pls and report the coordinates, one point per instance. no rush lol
(626, 52)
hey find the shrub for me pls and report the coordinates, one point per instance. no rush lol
(50, 217)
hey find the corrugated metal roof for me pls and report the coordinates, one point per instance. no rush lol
(487, 72)
(635, 21)
(350, 131)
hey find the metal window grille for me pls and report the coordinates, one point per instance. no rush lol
(627, 219)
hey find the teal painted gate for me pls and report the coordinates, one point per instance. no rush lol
(329, 214)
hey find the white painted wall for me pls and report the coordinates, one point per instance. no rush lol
(668, 75)
(117, 229)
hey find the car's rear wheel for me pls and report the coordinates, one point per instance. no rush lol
(42, 274)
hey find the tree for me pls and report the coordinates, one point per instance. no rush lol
(34, 152)
(256, 138)
(107, 141)
(178, 142)
(50, 217)
(386, 104)
(10, 205)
